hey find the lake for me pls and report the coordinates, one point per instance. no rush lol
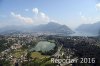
(43, 46)
(82, 34)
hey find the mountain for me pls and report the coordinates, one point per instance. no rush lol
(51, 27)
(90, 28)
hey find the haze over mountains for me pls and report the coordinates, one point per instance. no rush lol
(89, 28)
(51, 27)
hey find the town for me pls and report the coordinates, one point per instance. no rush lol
(17, 49)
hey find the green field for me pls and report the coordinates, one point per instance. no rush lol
(18, 53)
(38, 55)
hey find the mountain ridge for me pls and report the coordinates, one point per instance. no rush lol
(50, 27)
(89, 28)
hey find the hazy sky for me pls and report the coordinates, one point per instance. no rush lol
(33, 12)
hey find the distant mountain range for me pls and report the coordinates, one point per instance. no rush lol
(89, 28)
(51, 27)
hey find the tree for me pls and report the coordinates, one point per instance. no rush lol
(4, 63)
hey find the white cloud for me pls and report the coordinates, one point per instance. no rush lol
(98, 6)
(40, 17)
(83, 18)
(44, 16)
(53, 20)
(35, 10)
(88, 19)
(23, 19)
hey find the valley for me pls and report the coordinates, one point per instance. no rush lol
(18, 49)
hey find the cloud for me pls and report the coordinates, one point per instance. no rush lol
(44, 17)
(35, 10)
(23, 19)
(83, 17)
(98, 6)
(40, 17)
(53, 20)
(88, 19)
